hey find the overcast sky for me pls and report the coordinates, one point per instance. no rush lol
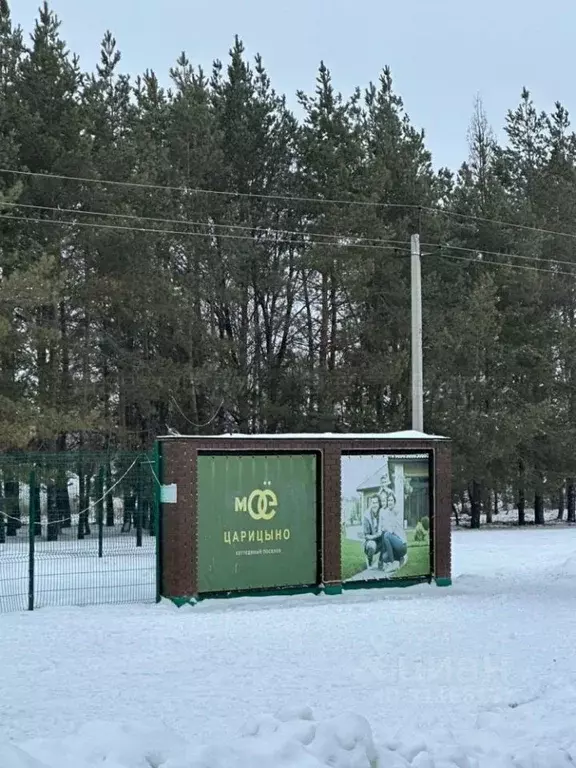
(442, 52)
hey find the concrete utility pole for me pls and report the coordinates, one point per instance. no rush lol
(417, 378)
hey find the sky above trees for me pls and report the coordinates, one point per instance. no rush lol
(441, 53)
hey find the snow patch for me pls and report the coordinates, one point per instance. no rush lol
(290, 739)
(13, 757)
(568, 567)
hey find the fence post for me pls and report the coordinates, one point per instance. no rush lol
(2, 523)
(139, 504)
(100, 511)
(31, 538)
(157, 512)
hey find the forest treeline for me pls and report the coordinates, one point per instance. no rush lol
(199, 258)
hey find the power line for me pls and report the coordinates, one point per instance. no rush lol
(501, 254)
(204, 191)
(137, 217)
(291, 198)
(506, 266)
(265, 230)
(285, 232)
(197, 426)
(394, 246)
(391, 245)
(498, 222)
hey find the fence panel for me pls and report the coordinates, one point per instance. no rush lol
(15, 562)
(77, 529)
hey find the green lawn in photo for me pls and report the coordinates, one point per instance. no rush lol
(354, 561)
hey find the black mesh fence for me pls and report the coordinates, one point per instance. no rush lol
(77, 529)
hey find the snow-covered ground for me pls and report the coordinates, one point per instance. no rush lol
(479, 675)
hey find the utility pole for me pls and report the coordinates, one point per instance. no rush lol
(417, 378)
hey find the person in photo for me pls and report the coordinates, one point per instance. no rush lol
(378, 540)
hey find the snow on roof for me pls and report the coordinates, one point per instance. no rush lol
(408, 434)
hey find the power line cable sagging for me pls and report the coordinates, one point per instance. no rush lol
(388, 245)
(212, 225)
(293, 198)
(279, 236)
(486, 262)
(480, 260)
(346, 241)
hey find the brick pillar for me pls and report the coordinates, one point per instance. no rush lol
(331, 567)
(179, 520)
(443, 514)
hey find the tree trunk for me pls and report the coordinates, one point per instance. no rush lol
(84, 516)
(12, 506)
(521, 496)
(2, 524)
(38, 510)
(571, 500)
(475, 505)
(63, 501)
(561, 503)
(129, 511)
(109, 498)
(488, 507)
(455, 511)
(310, 343)
(539, 508)
(52, 512)
(81, 496)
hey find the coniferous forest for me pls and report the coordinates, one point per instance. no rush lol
(197, 257)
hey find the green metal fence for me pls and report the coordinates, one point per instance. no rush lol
(77, 529)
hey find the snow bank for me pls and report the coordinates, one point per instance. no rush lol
(532, 734)
(291, 739)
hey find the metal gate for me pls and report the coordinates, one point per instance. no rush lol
(77, 529)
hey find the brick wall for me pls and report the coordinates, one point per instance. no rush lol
(179, 520)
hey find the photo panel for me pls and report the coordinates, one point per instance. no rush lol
(385, 516)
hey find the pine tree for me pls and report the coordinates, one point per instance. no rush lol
(50, 141)
(15, 419)
(466, 342)
(397, 176)
(253, 293)
(529, 332)
(330, 160)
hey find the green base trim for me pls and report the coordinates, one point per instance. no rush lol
(279, 592)
(386, 583)
(180, 601)
(443, 581)
(326, 589)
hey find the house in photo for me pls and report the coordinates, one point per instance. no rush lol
(407, 477)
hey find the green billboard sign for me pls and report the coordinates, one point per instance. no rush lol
(257, 522)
